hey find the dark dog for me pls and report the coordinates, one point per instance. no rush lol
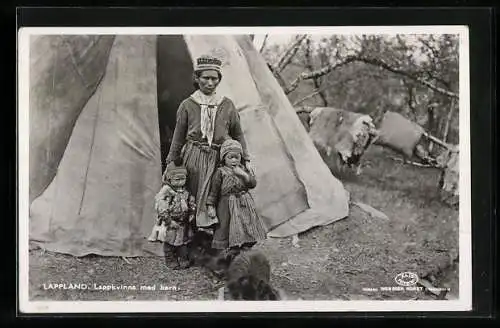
(202, 254)
(199, 248)
(248, 278)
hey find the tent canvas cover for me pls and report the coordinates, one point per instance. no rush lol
(95, 150)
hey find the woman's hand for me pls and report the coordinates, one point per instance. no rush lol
(178, 161)
(211, 211)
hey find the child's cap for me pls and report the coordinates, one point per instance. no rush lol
(174, 170)
(228, 146)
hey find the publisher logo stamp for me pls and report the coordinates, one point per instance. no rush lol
(407, 282)
(406, 279)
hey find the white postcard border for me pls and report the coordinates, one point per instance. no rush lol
(464, 303)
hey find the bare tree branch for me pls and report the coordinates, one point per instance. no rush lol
(323, 71)
(323, 87)
(401, 43)
(263, 45)
(288, 54)
(434, 51)
(309, 96)
(372, 61)
(381, 63)
(432, 76)
(278, 77)
(434, 59)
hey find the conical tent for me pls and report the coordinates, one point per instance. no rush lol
(97, 170)
(64, 72)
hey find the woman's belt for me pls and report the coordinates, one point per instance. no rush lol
(204, 145)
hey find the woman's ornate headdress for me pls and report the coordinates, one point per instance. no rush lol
(206, 62)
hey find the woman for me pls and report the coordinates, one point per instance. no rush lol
(204, 121)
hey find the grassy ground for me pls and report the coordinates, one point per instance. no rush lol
(333, 263)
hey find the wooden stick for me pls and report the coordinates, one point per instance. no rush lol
(438, 141)
(263, 45)
(397, 159)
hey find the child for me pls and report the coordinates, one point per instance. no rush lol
(176, 210)
(239, 225)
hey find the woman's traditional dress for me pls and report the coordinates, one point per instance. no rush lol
(239, 223)
(203, 124)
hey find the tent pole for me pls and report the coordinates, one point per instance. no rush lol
(436, 140)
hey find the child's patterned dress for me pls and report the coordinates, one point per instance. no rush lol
(239, 223)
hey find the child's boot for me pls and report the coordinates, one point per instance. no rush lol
(248, 246)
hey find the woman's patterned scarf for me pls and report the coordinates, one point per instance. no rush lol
(209, 105)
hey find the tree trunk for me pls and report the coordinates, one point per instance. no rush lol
(448, 121)
(316, 80)
(263, 45)
(430, 125)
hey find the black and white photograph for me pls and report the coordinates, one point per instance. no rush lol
(189, 169)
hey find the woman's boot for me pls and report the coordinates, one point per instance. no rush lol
(169, 256)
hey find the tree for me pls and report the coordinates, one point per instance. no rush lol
(415, 75)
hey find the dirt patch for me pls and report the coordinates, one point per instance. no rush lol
(333, 262)
(142, 273)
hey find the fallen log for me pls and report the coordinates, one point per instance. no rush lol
(402, 160)
(372, 211)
